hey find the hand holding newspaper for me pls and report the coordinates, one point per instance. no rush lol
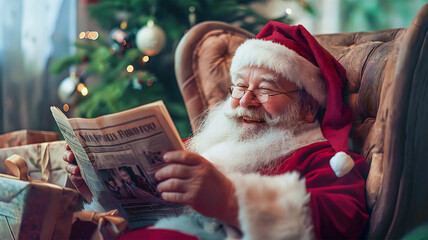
(118, 155)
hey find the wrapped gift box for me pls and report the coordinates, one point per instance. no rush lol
(24, 137)
(34, 209)
(44, 161)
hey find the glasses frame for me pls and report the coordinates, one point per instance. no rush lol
(255, 96)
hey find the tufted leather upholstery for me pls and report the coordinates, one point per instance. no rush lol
(386, 90)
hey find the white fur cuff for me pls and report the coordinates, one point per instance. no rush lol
(273, 207)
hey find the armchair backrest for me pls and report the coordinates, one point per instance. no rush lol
(386, 90)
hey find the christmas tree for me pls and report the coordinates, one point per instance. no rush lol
(134, 63)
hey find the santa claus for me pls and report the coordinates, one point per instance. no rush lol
(271, 161)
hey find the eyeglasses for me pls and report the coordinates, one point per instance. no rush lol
(262, 95)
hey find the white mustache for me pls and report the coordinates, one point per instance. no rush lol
(258, 113)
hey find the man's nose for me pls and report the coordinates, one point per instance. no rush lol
(249, 100)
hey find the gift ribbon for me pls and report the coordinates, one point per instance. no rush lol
(109, 224)
(44, 162)
(18, 168)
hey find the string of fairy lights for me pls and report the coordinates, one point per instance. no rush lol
(73, 84)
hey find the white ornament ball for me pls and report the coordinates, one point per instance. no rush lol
(150, 39)
(66, 88)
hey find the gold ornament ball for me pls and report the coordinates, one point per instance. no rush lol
(150, 39)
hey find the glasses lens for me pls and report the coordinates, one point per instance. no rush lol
(237, 92)
(262, 97)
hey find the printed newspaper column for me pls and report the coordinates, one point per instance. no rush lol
(85, 166)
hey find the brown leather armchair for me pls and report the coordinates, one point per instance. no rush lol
(387, 89)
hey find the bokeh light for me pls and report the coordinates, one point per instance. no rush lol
(123, 24)
(84, 91)
(130, 68)
(80, 87)
(93, 35)
(145, 59)
(65, 107)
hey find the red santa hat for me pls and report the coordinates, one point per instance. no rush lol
(295, 54)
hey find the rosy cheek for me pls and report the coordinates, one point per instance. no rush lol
(271, 110)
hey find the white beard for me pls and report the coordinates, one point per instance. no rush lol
(231, 147)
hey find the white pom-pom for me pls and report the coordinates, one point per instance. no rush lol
(341, 163)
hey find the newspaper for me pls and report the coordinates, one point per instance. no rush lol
(118, 155)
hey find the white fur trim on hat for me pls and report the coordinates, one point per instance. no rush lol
(282, 60)
(273, 207)
(341, 163)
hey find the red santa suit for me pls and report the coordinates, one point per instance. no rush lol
(304, 198)
(338, 206)
(315, 193)
(328, 181)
